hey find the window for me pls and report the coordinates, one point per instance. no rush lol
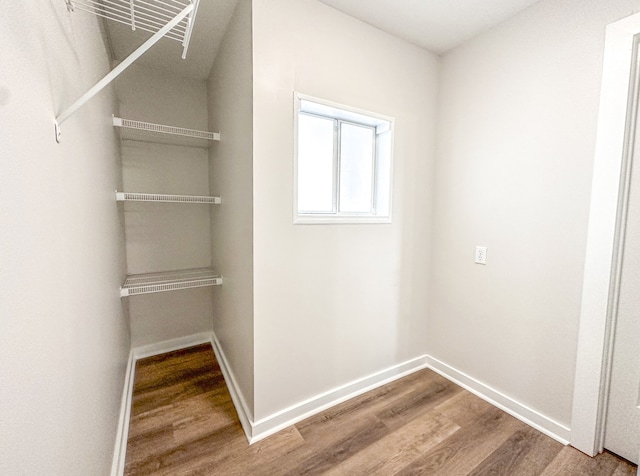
(343, 164)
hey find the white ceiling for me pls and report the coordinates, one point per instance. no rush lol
(436, 25)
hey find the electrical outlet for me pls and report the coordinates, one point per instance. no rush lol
(481, 255)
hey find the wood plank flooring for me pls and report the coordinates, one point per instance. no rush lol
(184, 423)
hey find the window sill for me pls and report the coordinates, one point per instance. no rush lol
(340, 220)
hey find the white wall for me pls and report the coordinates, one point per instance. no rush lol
(231, 113)
(160, 236)
(334, 303)
(63, 335)
(517, 122)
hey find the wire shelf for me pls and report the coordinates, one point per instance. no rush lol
(146, 15)
(158, 197)
(150, 132)
(169, 281)
(171, 18)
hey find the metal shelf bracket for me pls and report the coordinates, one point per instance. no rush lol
(98, 8)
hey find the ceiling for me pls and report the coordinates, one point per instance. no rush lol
(436, 25)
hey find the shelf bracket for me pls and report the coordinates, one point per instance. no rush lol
(113, 74)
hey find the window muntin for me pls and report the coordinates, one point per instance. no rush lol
(343, 175)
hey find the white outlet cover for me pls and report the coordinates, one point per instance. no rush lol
(481, 255)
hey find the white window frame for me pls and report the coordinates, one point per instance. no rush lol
(348, 115)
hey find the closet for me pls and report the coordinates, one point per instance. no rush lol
(165, 200)
(166, 203)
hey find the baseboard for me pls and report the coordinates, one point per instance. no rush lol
(120, 448)
(254, 431)
(531, 417)
(236, 394)
(295, 413)
(258, 430)
(170, 345)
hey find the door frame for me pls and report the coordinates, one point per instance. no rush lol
(609, 198)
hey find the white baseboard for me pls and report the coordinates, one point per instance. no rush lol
(120, 449)
(236, 394)
(171, 345)
(258, 430)
(533, 418)
(295, 413)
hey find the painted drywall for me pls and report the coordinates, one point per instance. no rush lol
(334, 303)
(155, 95)
(517, 125)
(231, 113)
(64, 339)
(165, 236)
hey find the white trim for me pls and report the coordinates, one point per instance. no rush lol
(236, 394)
(298, 412)
(258, 430)
(325, 219)
(595, 316)
(531, 417)
(120, 448)
(163, 347)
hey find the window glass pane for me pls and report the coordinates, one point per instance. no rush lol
(315, 164)
(356, 168)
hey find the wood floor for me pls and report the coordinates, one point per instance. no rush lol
(183, 423)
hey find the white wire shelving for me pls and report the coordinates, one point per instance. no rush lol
(159, 197)
(150, 132)
(146, 15)
(173, 19)
(169, 281)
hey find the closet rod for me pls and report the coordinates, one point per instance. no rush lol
(113, 74)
